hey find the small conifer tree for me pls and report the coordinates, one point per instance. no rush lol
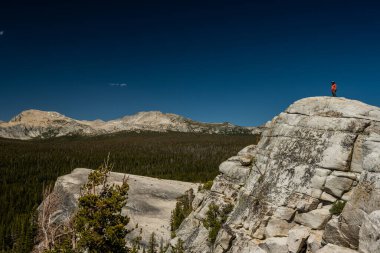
(215, 218)
(99, 224)
(178, 248)
(182, 209)
(152, 244)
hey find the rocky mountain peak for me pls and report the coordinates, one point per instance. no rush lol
(152, 117)
(34, 123)
(37, 116)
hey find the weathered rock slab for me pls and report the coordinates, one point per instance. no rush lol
(314, 242)
(150, 200)
(277, 228)
(333, 234)
(315, 219)
(369, 237)
(331, 248)
(275, 245)
(284, 213)
(297, 239)
(336, 185)
(234, 170)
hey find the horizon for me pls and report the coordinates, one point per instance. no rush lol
(120, 117)
(126, 115)
(210, 61)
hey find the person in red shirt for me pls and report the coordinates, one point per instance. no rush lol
(333, 88)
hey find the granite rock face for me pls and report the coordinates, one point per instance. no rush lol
(150, 201)
(370, 233)
(318, 151)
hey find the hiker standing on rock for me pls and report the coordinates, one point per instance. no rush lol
(333, 88)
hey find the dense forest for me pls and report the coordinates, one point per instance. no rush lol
(27, 166)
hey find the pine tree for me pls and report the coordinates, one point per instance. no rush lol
(215, 218)
(178, 248)
(152, 244)
(162, 247)
(182, 209)
(136, 242)
(99, 224)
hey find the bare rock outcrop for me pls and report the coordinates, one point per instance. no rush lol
(318, 151)
(150, 202)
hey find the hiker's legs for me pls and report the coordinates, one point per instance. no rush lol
(333, 93)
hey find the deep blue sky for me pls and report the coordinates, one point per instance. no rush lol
(213, 61)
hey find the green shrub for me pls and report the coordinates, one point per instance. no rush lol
(207, 185)
(182, 209)
(215, 218)
(337, 207)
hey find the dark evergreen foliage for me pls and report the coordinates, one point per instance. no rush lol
(98, 226)
(182, 209)
(27, 166)
(152, 246)
(337, 207)
(163, 248)
(178, 248)
(215, 218)
(207, 185)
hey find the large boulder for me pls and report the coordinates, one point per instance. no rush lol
(314, 241)
(365, 199)
(369, 236)
(275, 245)
(315, 219)
(284, 213)
(333, 234)
(277, 228)
(297, 239)
(331, 248)
(337, 185)
(234, 170)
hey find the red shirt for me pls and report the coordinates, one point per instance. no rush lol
(333, 87)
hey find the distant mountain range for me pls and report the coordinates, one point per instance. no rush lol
(42, 124)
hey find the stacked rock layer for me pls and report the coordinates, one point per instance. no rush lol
(318, 152)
